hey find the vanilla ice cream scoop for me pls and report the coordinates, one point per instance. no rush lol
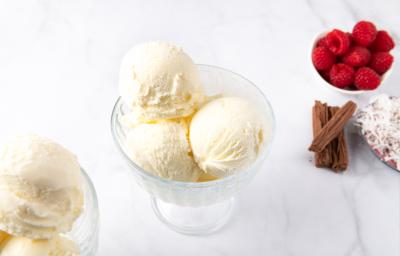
(163, 149)
(3, 237)
(159, 80)
(226, 135)
(56, 246)
(41, 190)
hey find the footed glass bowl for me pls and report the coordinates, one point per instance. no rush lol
(199, 207)
(85, 231)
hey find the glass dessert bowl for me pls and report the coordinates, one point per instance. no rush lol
(380, 156)
(199, 207)
(378, 124)
(49, 205)
(85, 231)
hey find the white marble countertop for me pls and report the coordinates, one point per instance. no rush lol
(58, 77)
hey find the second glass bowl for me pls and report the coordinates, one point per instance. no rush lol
(199, 207)
(85, 231)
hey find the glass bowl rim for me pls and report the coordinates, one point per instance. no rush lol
(91, 188)
(203, 184)
(92, 240)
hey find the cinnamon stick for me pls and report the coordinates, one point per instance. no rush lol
(334, 126)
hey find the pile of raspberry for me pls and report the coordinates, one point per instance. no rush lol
(354, 61)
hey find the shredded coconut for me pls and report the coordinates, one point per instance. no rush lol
(380, 124)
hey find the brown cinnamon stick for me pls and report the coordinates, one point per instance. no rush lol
(334, 126)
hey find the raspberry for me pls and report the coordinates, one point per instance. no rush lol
(352, 87)
(383, 42)
(338, 42)
(349, 35)
(366, 79)
(364, 33)
(357, 56)
(352, 43)
(322, 42)
(341, 75)
(381, 62)
(325, 74)
(322, 58)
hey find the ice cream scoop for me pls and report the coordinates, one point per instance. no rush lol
(57, 246)
(41, 190)
(159, 80)
(3, 237)
(226, 135)
(163, 149)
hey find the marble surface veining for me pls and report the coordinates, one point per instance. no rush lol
(59, 62)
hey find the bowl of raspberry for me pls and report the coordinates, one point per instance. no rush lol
(353, 62)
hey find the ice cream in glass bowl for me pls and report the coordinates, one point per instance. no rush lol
(379, 124)
(48, 204)
(192, 135)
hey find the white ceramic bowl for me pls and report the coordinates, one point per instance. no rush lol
(321, 81)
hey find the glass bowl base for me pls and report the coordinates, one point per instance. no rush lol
(200, 220)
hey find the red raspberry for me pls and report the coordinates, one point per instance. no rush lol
(364, 33)
(338, 42)
(357, 56)
(349, 35)
(322, 58)
(341, 75)
(383, 42)
(352, 43)
(322, 42)
(366, 79)
(381, 62)
(325, 74)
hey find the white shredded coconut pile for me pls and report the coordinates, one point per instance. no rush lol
(380, 124)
